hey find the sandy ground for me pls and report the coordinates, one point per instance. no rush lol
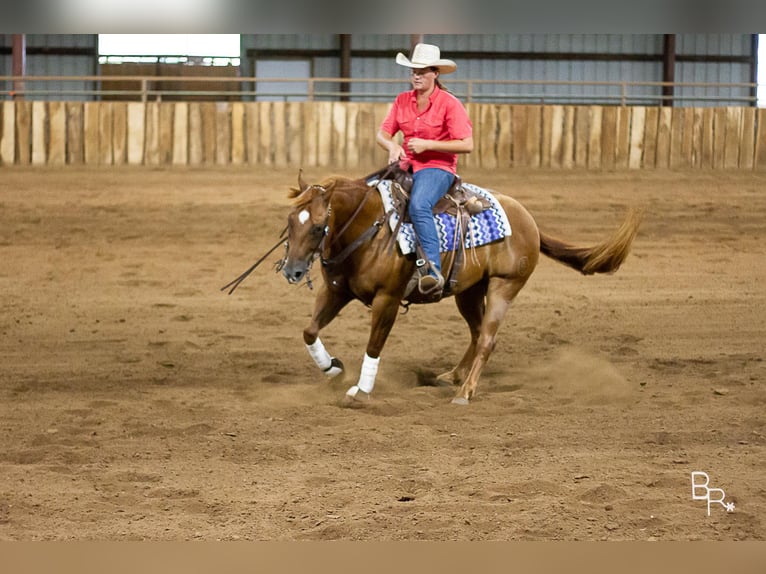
(138, 402)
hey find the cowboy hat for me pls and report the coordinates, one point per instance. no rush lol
(426, 56)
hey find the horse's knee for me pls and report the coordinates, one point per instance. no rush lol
(310, 336)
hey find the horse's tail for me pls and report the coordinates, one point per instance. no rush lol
(606, 257)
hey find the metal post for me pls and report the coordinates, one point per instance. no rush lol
(19, 65)
(668, 69)
(345, 65)
(415, 39)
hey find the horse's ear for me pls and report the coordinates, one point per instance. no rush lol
(302, 184)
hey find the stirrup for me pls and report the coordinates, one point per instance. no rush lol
(431, 284)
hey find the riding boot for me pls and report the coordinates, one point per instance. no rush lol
(433, 283)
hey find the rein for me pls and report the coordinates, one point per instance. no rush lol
(369, 233)
(234, 284)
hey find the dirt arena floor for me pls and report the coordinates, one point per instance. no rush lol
(139, 402)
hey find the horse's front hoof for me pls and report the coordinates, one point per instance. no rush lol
(335, 369)
(355, 396)
(459, 401)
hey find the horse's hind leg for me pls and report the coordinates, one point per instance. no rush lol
(326, 307)
(471, 305)
(500, 293)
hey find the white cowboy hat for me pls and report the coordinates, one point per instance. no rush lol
(426, 56)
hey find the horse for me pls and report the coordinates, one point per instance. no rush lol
(342, 222)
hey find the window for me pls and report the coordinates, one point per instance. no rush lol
(200, 49)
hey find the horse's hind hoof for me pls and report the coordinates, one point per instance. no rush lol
(459, 401)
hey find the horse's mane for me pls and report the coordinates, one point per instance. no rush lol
(330, 184)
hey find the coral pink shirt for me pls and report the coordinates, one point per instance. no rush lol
(444, 119)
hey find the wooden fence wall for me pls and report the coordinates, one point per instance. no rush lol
(342, 135)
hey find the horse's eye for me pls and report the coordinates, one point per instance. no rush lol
(317, 231)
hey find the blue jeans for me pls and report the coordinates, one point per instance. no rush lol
(429, 186)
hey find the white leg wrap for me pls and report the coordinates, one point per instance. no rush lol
(368, 374)
(322, 358)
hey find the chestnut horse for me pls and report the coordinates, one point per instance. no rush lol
(342, 222)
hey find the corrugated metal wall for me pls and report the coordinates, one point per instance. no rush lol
(641, 63)
(55, 64)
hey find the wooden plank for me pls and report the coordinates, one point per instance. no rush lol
(136, 132)
(637, 127)
(697, 134)
(581, 135)
(8, 133)
(534, 121)
(352, 136)
(167, 109)
(120, 133)
(719, 137)
(650, 137)
(238, 150)
(75, 148)
(339, 135)
(181, 133)
(310, 143)
(367, 131)
(472, 159)
(265, 155)
(747, 141)
(56, 133)
(733, 136)
(687, 148)
(504, 120)
(708, 137)
(381, 111)
(39, 143)
(24, 132)
(105, 134)
(550, 138)
(209, 137)
(519, 140)
(760, 143)
(91, 146)
(252, 131)
(324, 133)
(196, 152)
(487, 137)
(676, 136)
(279, 134)
(568, 142)
(622, 150)
(608, 137)
(222, 133)
(557, 136)
(594, 138)
(663, 137)
(152, 136)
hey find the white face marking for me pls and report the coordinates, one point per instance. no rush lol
(303, 216)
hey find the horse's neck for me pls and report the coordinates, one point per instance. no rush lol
(353, 212)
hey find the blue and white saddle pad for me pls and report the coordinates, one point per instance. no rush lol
(485, 227)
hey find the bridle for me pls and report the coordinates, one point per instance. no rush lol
(332, 262)
(324, 229)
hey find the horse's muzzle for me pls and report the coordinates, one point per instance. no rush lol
(294, 271)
